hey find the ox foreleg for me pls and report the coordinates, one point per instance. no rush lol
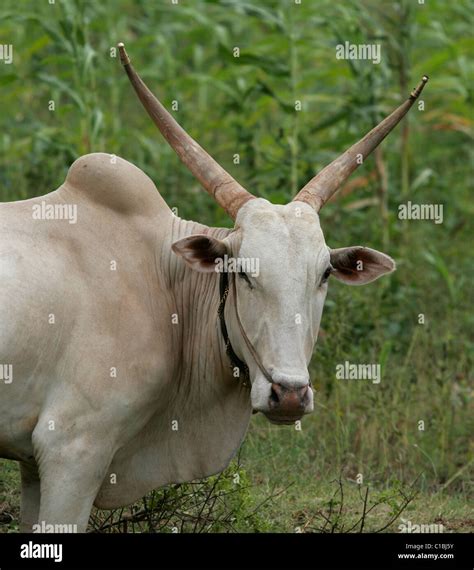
(71, 475)
(30, 496)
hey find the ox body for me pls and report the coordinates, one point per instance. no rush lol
(111, 339)
(122, 380)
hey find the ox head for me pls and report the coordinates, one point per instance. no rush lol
(283, 263)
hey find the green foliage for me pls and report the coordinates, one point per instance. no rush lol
(352, 509)
(246, 105)
(221, 503)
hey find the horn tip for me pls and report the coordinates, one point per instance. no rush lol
(125, 60)
(419, 88)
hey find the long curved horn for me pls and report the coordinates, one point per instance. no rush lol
(320, 188)
(227, 192)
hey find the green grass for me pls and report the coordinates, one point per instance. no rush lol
(246, 105)
(275, 497)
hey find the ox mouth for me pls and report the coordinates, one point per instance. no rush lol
(282, 420)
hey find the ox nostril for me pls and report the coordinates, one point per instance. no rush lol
(303, 392)
(283, 397)
(275, 394)
(279, 393)
(287, 402)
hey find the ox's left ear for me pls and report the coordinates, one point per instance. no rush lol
(359, 265)
(200, 251)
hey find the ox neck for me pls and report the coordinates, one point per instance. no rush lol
(196, 299)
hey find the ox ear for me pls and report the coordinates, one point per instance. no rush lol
(200, 251)
(359, 265)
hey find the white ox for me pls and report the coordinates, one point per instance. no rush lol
(116, 374)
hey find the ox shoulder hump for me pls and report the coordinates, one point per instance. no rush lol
(115, 183)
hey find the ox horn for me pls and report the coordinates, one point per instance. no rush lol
(320, 188)
(227, 192)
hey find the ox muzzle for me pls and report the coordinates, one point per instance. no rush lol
(282, 401)
(288, 403)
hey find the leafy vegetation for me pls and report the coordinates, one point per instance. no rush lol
(246, 106)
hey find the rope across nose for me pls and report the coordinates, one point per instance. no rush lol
(236, 362)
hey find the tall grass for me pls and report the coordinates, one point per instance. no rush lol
(246, 105)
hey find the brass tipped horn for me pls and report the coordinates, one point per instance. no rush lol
(320, 188)
(227, 192)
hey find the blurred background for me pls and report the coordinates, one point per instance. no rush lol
(273, 117)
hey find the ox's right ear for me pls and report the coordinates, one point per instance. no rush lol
(200, 252)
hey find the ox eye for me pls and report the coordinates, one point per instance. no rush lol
(245, 277)
(326, 274)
